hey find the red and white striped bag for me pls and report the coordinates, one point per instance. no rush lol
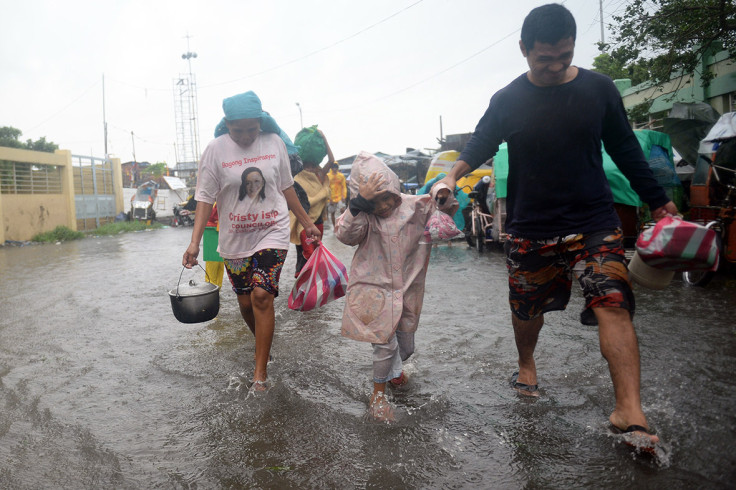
(322, 279)
(677, 245)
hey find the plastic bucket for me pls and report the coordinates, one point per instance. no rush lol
(648, 276)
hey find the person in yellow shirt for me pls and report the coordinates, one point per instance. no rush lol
(338, 192)
(313, 179)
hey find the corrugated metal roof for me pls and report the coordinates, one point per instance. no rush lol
(175, 183)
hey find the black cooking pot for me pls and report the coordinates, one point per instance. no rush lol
(195, 302)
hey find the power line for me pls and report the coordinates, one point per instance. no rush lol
(435, 75)
(138, 137)
(64, 108)
(619, 5)
(445, 70)
(290, 62)
(146, 89)
(308, 55)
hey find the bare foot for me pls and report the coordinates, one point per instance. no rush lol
(259, 385)
(380, 409)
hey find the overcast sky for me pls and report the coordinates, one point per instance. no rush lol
(374, 75)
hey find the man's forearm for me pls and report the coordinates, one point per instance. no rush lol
(459, 170)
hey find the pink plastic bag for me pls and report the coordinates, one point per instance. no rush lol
(322, 279)
(677, 245)
(441, 226)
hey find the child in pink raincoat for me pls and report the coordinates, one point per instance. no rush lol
(387, 274)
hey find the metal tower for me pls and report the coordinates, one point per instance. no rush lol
(186, 116)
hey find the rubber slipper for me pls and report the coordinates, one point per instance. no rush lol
(400, 380)
(649, 448)
(522, 386)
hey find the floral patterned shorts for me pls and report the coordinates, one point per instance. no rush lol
(541, 272)
(262, 270)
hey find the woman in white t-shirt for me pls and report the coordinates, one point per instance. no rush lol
(246, 170)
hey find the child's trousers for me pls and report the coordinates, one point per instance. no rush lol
(388, 357)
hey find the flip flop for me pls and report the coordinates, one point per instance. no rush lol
(649, 449)
(522, 386)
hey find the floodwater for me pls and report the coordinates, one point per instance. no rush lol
(100, 386)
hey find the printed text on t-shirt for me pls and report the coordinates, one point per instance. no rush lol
(250, 221)
(244, 161)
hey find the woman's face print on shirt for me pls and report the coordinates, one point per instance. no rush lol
(252, 184)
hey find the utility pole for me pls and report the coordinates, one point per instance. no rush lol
(104, 118)
(600, 6)
(135, 174)
(132, 137)
(301, 121)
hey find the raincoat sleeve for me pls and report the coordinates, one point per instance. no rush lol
(351, 230)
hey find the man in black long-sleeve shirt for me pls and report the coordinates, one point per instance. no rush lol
(560, 214)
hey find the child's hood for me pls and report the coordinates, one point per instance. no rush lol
(364, 166)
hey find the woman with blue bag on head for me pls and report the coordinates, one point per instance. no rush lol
(247, 170)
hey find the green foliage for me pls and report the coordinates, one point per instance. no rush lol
(156, 170)
(673, 36)
(64, 234)
(614, 65)
(58, 234)
(639, 113)
(124, 226)
(42, 145)
(9, 137)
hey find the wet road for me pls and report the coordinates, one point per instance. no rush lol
(100, 386)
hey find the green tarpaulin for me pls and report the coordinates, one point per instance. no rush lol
(501, 170)
(620, 187)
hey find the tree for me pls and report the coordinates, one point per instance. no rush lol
(156, 170)
(42, 145)
(614, 65)
(673, 36)
(9, 137)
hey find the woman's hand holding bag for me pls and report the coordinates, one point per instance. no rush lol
(322, 279)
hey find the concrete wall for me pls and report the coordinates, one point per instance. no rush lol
(24, 215)
(27, 215)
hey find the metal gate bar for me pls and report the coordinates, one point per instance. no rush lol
(91, 200)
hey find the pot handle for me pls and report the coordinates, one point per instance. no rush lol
(206, 276)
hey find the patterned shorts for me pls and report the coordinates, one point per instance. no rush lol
(262, 270)
(541, 271)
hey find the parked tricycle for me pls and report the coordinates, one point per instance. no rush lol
(713, 203)
(141, 204)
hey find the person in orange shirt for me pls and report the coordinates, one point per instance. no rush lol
(338, 192)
